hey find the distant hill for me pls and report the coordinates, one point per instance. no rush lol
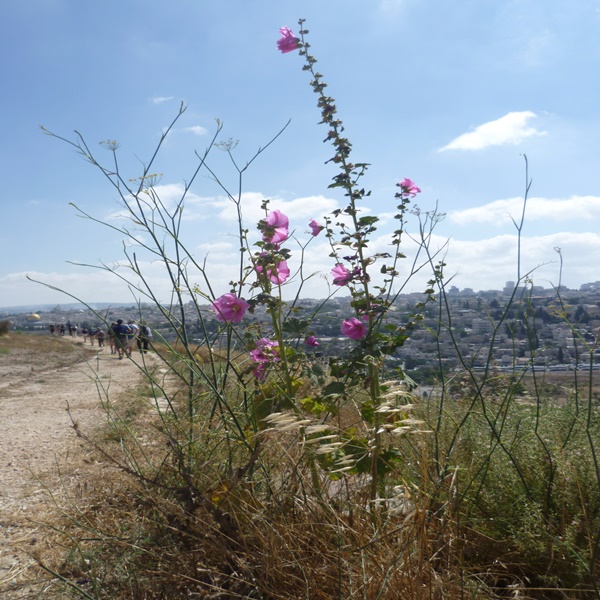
(66, 307)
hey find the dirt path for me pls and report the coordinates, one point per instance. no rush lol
(40, 455)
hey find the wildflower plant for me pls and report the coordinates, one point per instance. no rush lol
(350, 232)
(261, 376)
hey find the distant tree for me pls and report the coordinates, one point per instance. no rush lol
(409, 363)
(581, 316)
(4, 327)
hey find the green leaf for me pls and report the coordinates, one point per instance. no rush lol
(295, 326)
(367, 411)
(335, 388)
(312, 406)
(367, 221)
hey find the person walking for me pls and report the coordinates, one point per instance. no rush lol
(112, 338)
(144, 337)
(132, 336)
(121, 331)
(100, 335)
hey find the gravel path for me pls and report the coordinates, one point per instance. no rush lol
(41, 458)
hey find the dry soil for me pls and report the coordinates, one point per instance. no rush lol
(46, 383)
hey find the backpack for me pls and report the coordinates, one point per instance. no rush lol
(125, 329)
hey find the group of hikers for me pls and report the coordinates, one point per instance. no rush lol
(122, 337)
(62, 328)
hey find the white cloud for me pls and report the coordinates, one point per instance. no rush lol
(499, 212)
(486, 264)
(299, 210)
(33, 287)
(169, 195)
(481, 265)
(196, 130)
(161, 99)
(509, 129)
(221, 211)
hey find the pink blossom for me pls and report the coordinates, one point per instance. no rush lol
(354, 328)
(279, 274)
(266, 351)
(311, 340)
(316, 227)
(288, 42)
(260, 371)
(341, 275)
(277, 224)
(408, 187)
(229, 308)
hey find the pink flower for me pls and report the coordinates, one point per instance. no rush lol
(229, 308)
(277, 225)
(341, 275)
(279, 274)
(311, 340)
(288, 42)
(266, 351)
(408, 187)
(354, 329)
(260, 371)
(316, 227)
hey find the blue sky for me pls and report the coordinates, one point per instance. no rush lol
(448, 93)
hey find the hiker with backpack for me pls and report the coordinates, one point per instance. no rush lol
(132, 336)
(144, 337)
(100, 335)
(121, 331)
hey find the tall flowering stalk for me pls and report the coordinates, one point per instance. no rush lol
(370, 301)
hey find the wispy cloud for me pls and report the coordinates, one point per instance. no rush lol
(204, 208)
(196, 130)
(299, 210)
(495, 263)
(497, 260)
(510, 129)
(534, 54)
(499, 212)
(161, 99)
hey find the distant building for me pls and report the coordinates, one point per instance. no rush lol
(590, 287)
(481, 326)
(509, 288)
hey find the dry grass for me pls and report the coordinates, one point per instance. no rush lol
(42, 350)
(121, 541)
(241, 526)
